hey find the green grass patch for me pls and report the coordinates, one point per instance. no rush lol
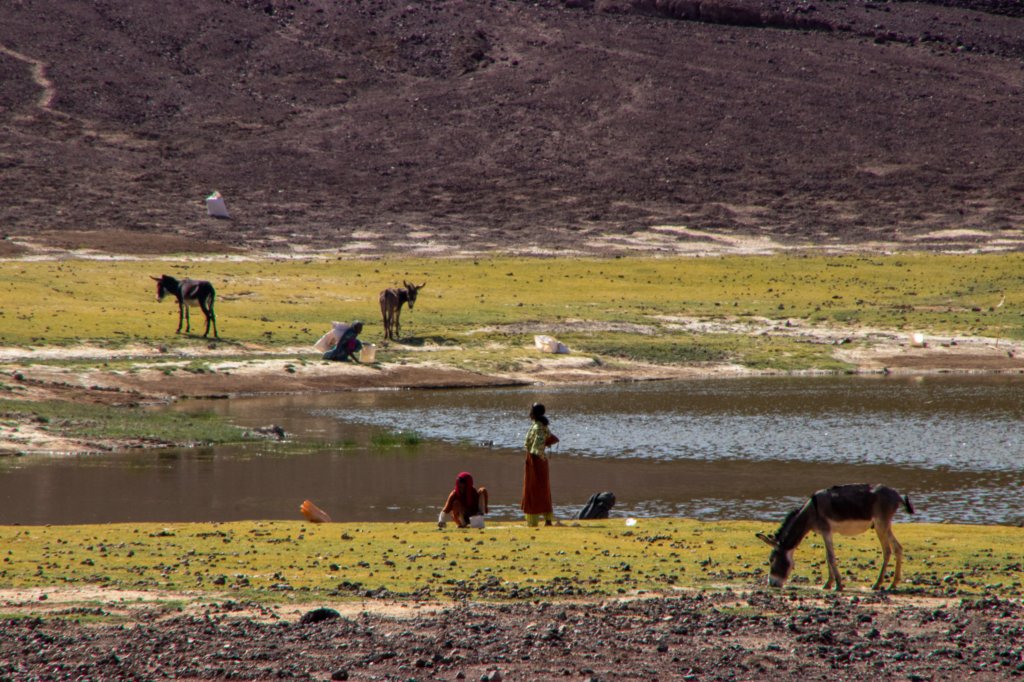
(293, 561)
(669, 349)
(86, 420)
(391, 439)
(472, 303)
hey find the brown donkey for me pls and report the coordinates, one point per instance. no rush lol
(391, 301)
(843, 509)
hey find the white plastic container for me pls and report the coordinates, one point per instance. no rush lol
(368, 353)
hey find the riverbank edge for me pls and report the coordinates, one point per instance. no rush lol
(80, 375)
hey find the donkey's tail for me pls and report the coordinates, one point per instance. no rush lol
(906, 504)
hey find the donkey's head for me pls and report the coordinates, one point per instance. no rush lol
(165, 284)
(413, 289)
(780, 561)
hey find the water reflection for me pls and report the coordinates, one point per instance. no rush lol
(920, 422)
(716, 449)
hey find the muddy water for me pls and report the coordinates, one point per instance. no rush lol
(715, 449)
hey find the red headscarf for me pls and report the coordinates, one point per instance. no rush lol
(466, 492)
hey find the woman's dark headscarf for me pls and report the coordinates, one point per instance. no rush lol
(537, 413)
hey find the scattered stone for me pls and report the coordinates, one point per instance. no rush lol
(318, 616)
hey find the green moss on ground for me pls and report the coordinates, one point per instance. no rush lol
(271, 562)
(476, 304)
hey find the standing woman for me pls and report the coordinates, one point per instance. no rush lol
(537, 482)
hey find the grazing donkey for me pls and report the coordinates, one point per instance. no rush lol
(391, 301)
(189, 292)
(844, 509)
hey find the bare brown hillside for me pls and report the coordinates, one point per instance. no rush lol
(576, 126)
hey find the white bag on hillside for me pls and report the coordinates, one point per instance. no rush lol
(215, 206)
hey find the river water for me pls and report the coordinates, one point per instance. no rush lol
(739, 448)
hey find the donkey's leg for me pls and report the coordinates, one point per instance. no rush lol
(830, 559)
(181, 314)
(396, 322)
(207, 308)
(884, 533)
(898, 549)
(213, 318)
(385, 314)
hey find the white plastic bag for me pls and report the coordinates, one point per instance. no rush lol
(215, 206)
(326, 342)
(330, 339)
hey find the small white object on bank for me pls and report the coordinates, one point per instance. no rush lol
(548, 344)
(368, 353)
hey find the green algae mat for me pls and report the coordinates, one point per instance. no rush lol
(275, 302)
(275, 562)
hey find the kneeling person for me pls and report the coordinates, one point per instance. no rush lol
(464, 502)
(348, 343)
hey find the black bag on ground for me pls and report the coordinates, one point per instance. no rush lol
(597, 506)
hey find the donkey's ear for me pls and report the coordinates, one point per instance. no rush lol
(768, 540)
(155, 279)
(422, 285)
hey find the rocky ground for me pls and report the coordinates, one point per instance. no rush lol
(722, 636)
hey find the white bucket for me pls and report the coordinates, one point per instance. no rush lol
(368, 353)
(476, 521)
(917, 340)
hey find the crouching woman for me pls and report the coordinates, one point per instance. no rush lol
(464, 503)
